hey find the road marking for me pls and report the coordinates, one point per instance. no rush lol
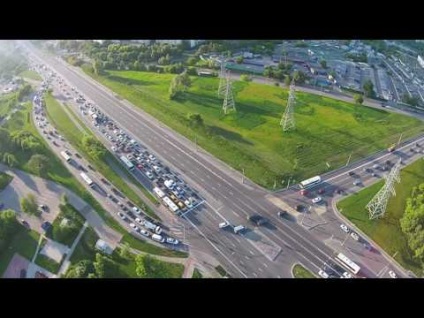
(201, 179)
(246, 257)
(254, 274)
(241, 262)
(234, 213)
(260, 269)
(251, 252)
(266, 266)
(213, 188)
(207, 176)
(230, 192)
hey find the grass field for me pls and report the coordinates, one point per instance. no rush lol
(68, 129)
(47, 263)
(30, 74)
(386, 232)
(328, 131)
(24, 243)
(74, 217)
(4, 180)
(301, 272)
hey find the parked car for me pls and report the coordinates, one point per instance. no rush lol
(392, 274)
(223, 225)
(316, 200)
(354, 236)
(344, 228)
(323, 274)
(282, 213)
(257, 219)
(171, 240)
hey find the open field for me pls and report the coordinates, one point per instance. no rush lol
(24, 243)
(386, 232)
(328, 131)
(7, 102)
(301, 272)
(68, 129)
(47, 263)
(31, 74)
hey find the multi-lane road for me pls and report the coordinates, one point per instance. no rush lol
(266, 251)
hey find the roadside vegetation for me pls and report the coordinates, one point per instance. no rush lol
(301, 272)
(387, 231)
(87, 262)
(31, 75)
(197, 274)
(4, 180)
(327, 131)
(47, 263)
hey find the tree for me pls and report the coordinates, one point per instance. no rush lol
(195, 120)
(8, 227)
(94, 147)
(29, 204)
(358, 99)
(299, 77)
(39, 164)
(239, 59)
(287, 80)
(9, 159)
(124, 252)
(369, 88)
(191, 61)
(192, 71)
(99, 266)
(64, 199)
(323, 63)
(140, 269)
(80, 270)
(97, 67)
(105, 267)
(136, 65)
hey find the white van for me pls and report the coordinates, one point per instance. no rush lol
(239, 228)
(158, 238)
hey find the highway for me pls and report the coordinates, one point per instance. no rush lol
(266, 251)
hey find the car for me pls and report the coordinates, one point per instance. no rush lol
(412, 150)
(43, 207)
(257, 219)
(138, 220)
(321, 191)
(388, 162)
(46, 225)
(316, 200)
(136, 210)
(344, 228)
(323, 274)
(356, 182)
(300, 208)
(132, 225)
(23, 273)
(239, 229)
(144, 232)
(78, 155)
(351, 173)
(104, 181)
(417, 144)
(223, 225)
(346, 275)
(304, 192)
(354, 236)
(282, 213)
(25, 223)
(392, 274)
(171, 240)
(373, 174)
(91, 167)
(122, 215)
(376, 166)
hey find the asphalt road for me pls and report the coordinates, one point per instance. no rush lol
(261, 252)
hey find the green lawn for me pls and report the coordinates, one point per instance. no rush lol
(24, 243)
(386, 232)
(150, 248)
(69, 130)
(47, 263)
(77, 221)
(30, 74)
(197, 274)
(328, 130)
(85, 247)
(301, 272)
(4, 180)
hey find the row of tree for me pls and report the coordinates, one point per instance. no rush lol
(179, 84)
(8, 227)
(412, 222)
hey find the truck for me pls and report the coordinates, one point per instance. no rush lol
(391, 148)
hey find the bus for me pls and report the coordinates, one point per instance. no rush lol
(127, 162)
(158, 192)
(311, 182)
(347, 263)
(171, 205)
(87, 179)
(65, 156)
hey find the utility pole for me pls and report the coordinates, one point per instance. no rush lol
(275, 184)
(348, 160)
(242, 177)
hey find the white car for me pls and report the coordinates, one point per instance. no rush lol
(171, 240)
(136, 210)
(392, 274)
(354, 236)
(122, 215)
(223, 225)
(144, 232)
(346, 275)
(316, 200)
(138, 220)
(323, 274)
(132, 225)
(376, 166)
(356, 182)
(344, 228)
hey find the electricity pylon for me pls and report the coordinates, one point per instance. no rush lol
(378, 204)
(228, 104)
(222, 80)
(287, 121)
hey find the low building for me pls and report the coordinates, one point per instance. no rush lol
(104, 247)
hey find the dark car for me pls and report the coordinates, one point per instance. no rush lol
(82, 168)
(300, 208)
(282, 213)
(321, 191)
(257, 219)
(351, 173)
(46, 226)
(23, 273)
(77, 155)
(25, 223)
(104, 181)
(91, 168)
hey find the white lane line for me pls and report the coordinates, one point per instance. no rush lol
(230, 192)
(266, 266)
(241, 262)
(234, 213)
(213, 188)
(251, 253)
(246, 257)
(254, 274)
(201, 179)
(238, 240)
(260, 269)
(207, 176)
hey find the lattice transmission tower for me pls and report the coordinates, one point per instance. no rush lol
(229, 104)
(378, 204)
(287, 121)
(222, 80)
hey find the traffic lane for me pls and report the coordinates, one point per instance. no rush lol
(242, 252)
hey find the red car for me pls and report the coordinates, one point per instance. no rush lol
(303, 192)
(321, 191)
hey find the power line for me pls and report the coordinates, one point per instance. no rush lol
(378, 204)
